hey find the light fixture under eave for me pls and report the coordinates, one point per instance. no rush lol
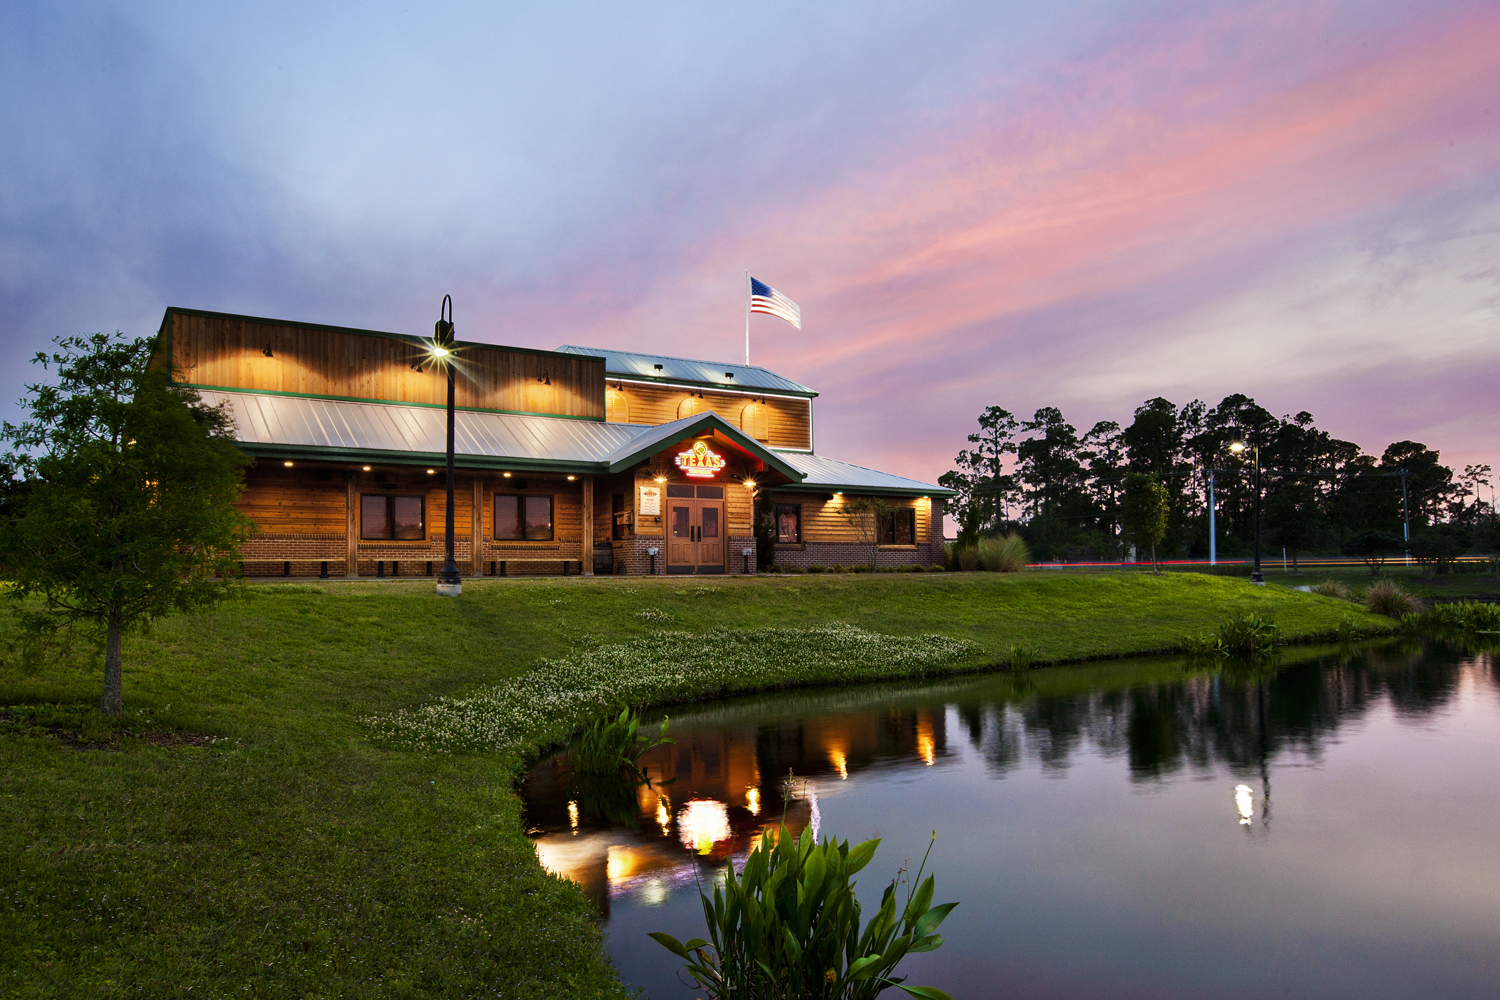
(287, 464)
(365, 468)
(505, 474)
(439, 351)
(267, 351)
(749, 484)
(432, 472)
(571, 478)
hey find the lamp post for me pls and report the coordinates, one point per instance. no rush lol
(1256, 576)
(449, 583)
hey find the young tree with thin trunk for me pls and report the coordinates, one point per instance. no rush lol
(128, 512)
(1143, 514)
(867, 515)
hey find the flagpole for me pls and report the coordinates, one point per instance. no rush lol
(747, 317)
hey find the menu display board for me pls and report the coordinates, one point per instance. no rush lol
(650, 501)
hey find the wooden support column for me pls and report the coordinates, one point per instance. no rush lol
(587, 487)
(351, 528)
(477, 522)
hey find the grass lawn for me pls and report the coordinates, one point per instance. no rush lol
(246, 832)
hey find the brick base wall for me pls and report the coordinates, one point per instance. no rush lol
(854, 554)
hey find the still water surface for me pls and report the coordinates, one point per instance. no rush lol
(1126, 830)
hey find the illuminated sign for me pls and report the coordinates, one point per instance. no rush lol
(699, 462)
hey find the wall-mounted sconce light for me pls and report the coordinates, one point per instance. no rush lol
(267, 351)
(416, 364)
(544, 378)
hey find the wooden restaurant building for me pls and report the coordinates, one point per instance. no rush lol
(568, 461)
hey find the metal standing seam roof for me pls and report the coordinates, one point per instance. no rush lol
(830, 473)
(302, 422)
(628, 364)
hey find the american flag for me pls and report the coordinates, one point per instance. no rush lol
(765, 299)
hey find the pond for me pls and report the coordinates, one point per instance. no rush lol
(1134, 829)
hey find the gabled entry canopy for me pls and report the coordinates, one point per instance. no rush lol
(661, 436)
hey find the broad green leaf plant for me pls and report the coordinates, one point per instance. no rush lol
(789, 926)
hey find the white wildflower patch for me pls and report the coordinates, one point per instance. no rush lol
(655, 616)
(666, 666)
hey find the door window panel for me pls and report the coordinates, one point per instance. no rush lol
(686, 492)
(680, 522)
(710, 522)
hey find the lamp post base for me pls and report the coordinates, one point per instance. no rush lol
(1258, 578)
(449, 583)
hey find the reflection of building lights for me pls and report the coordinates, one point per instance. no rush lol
(1244, 803)
(573, 815)
(664, 816)
(926, 748)
(752, 801)
(653, 892)
(701, 824)
(621, 863)
(840, 762)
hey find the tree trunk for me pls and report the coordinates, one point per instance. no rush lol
(111, 704)
(1155, 566)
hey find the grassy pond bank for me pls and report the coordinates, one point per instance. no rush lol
(312, 791)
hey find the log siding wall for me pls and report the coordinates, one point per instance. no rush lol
(789, 420)
(229, 352)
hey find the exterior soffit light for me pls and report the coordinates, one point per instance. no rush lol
(287, 464)
(432, 472)
(505, 474)
(365, 468)
(571, 478)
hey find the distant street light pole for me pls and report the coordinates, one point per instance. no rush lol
(449, 583)
(1256, 576)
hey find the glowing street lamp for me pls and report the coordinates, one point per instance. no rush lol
(449, 583)
(1238, 446)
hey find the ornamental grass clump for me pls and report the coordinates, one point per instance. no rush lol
(1385, 597)
(547, 702)
(1005, 554)
(1332, 588)
(789, 926)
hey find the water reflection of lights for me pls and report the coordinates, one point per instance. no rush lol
(840, 762)
(701, 823)
(573, 815)
(664, 816)
(621, 863)
(653, 892)
(926, 748)
(1244, 803)
(752, 801)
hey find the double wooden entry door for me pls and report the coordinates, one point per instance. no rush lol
(695, 529)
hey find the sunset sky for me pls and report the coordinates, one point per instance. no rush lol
(1073, 204)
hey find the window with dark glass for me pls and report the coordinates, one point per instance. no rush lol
(523, 518)
(619, 518)
(390, 518)
(900, 528)
(788, 523)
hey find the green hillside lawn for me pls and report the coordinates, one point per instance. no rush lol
(245, 833)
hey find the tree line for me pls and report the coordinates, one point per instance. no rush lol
(1065, 491)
